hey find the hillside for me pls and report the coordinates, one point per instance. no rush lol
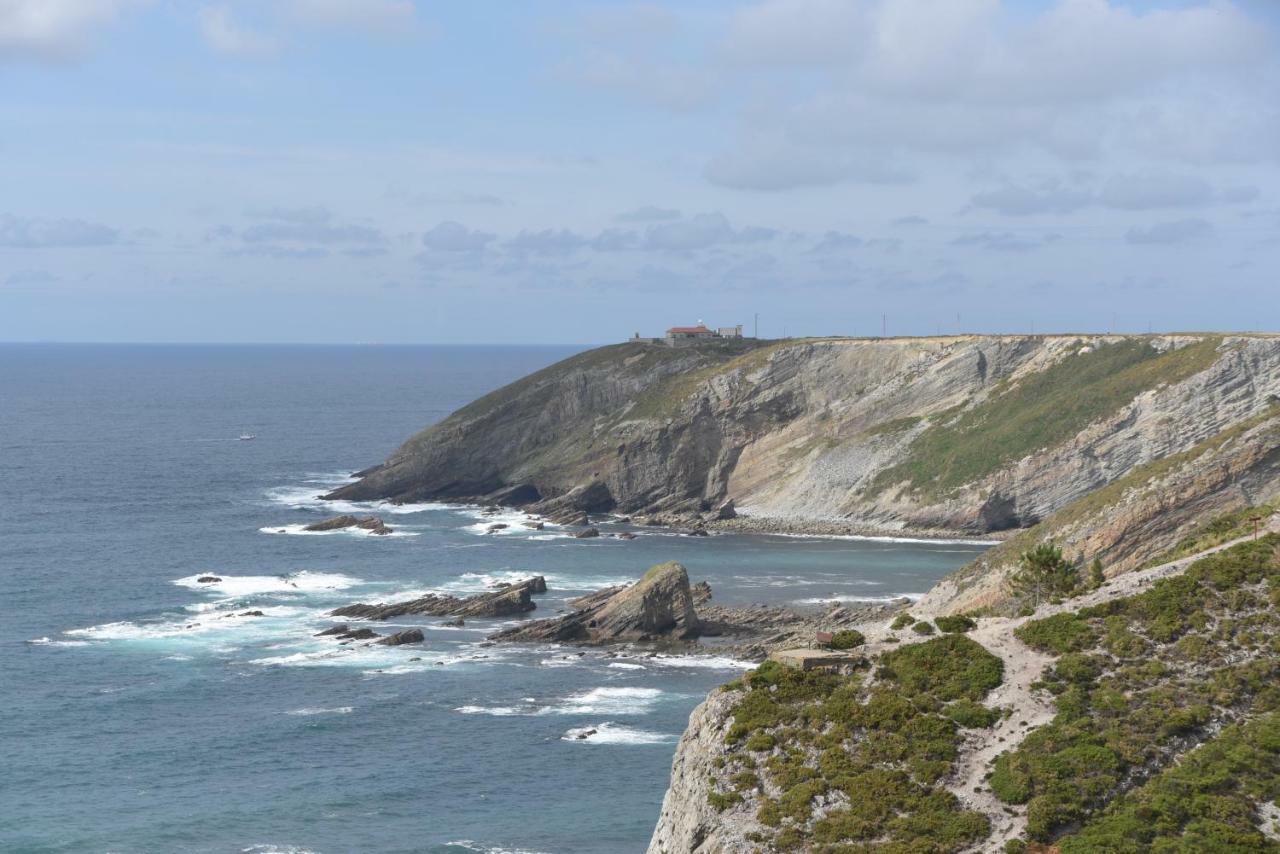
(1143, 716)
(969, 434)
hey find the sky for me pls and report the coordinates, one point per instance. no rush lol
(529, 171)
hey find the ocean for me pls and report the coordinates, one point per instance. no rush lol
(144, 711)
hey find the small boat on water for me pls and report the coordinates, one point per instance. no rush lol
(248, 437)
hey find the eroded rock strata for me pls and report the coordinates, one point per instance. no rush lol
(969, 434)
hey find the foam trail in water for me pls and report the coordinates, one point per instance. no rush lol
(611, 733)
(352, 531)
(306, 713)
(249, 585)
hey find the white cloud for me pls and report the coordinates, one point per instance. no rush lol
(52, 29)
(1178, 231)
(700, 232)
(222, 33)
(378, 16)
(23, 233)
(1152, 190)
(455, 237)
(1082, 79)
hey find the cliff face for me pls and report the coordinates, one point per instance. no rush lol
(967, 433)
(1144, 514)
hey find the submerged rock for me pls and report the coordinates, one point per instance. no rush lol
(208, 579)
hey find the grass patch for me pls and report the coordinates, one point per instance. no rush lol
(1040, 411)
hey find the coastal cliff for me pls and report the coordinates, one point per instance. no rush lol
(970, 434)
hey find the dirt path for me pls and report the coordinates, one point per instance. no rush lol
(1024, 666)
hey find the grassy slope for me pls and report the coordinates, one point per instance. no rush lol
(1041, 410)
(1097, 504)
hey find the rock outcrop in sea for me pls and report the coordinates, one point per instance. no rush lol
(659, 606)
(507, 600)
(372, 524)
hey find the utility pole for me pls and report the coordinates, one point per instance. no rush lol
(884, 326)
(757, 325)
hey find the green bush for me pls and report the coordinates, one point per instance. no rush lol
(950, 667)
(922, 628)
(956, 624)
(1060, 633)
(901, 622)
(967, 713)
(847, 639)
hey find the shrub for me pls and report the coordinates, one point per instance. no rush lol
(922, 628)
(847, 639)
(901, 621)
(1061, 633)
(951, 667)
(967, 713)
(958, 623)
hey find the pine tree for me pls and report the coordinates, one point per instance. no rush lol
(1043, 571)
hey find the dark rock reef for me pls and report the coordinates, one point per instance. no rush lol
(372, 524)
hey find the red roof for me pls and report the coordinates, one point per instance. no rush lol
(687, 330)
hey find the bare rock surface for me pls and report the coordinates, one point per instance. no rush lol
(660, 605)
(372, 524)
(505, 601)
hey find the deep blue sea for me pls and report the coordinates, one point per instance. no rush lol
(143, 712)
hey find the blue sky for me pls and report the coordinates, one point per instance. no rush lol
(574, 172)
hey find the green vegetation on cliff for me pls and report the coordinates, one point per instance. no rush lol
(1138, 680)
(1041, 410)
(872, 751)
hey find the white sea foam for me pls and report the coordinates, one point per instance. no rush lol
(625, 665)
(489, 849)
(827, 600)
(612, 701)
(206, 622)
(608, 701)
(310, 498)
(611, 733)
(513, 519)
(45, 641)
(352, 531)
(495, 711)
(340, 710)
(248, 585)
(708, 662)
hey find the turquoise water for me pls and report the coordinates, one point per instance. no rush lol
(144, 713)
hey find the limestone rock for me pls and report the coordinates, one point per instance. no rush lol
(660, 605)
